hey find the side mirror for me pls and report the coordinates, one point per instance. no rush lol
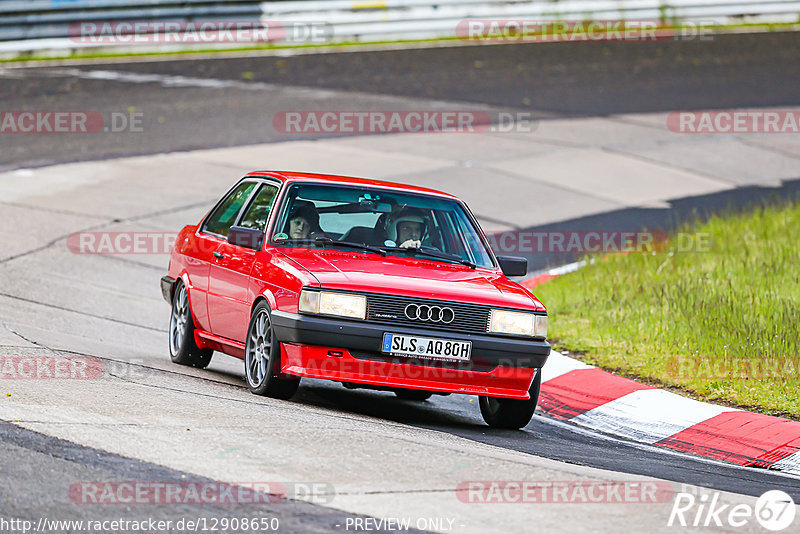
(246, 237)
(513, 265)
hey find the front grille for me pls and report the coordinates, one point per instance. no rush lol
(391, 310)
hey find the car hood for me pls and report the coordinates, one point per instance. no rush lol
(393, 275)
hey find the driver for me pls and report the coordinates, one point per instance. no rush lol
(303, 222)
(407, 227)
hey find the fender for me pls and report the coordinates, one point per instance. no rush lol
(184, 277)
(269, 296)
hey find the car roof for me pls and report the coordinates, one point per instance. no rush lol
(293, 176)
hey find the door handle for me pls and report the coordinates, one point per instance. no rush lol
(219, 255)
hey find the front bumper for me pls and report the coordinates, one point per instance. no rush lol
(349, 351)
(167, 283)
(487, 351)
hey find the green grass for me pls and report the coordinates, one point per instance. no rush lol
(723, 325)
(89, 54)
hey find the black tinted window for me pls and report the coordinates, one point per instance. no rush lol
(224, 216)
(257, 214)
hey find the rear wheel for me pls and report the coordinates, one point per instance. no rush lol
(413, 394)
(511, 413)
(183, 349)
(262, 358)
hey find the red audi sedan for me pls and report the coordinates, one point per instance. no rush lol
(372, 284)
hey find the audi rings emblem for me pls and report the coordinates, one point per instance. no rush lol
(434, 314)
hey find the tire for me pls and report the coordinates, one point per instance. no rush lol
(262, 358)
(183, 349)
(511, 413)
(413, 394)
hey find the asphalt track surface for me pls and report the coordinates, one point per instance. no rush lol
(582, 79)
(35, 465)
(547, 79)
(548, 437)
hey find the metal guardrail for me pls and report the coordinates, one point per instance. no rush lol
(50, 24)
(440, 18)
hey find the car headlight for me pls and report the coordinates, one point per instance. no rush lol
(518, 323)
(330, 303)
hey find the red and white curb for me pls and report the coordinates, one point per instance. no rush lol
(536, 279)
(598, 400)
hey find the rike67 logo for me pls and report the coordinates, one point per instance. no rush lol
(774, 510)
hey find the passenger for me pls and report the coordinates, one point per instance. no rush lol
(303, 222)
(406, 227)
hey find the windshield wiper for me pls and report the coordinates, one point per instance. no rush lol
(322, 241)
(434, 254)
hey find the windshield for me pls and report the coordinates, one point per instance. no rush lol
(384, 221)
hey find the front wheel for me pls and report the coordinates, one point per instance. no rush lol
(262, 358)
(183, 349)
(511, 413)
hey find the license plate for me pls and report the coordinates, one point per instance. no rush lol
(426, 347)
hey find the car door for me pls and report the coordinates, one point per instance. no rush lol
(207, 240)
(228, 299)
(215, 234)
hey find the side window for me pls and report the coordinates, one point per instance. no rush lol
(257, 214)
(222, 219)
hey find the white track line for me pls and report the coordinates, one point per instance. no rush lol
(558, 364)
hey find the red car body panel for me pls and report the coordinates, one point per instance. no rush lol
(315, 362)
(224, 287)
(415, 277)
(192, 254)
(228, 295)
